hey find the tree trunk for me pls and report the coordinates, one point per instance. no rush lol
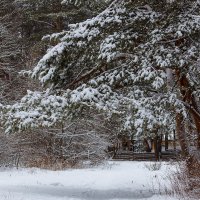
(196, 119)
(174, 142)
(190, 102)
(146, 145)
(156, 148)
(160, 143)
(180, 130)
(166, 141)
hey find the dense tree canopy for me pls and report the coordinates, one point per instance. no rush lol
(136, 59)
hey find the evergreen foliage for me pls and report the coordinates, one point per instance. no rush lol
(120, 62)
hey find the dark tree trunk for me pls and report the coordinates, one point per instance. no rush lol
(174, 142)
(180, 130)
(190, 102)
(146, 145)
(166, 141)
(160, 143)
(156, 148)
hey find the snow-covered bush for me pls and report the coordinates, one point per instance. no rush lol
(153, 166)
(185, 181)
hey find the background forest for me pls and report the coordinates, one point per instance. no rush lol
(76, 75)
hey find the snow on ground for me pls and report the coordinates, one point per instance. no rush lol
(114, 180)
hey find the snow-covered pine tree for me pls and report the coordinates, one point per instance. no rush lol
(121, 62)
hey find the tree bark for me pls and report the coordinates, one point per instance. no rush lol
(160, 143)
(180, 127)
(146, 145)
(166, 141)
(190, 101)
(174, 142)
(180, 131)
(156, 147)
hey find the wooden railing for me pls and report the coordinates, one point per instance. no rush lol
(144, 156)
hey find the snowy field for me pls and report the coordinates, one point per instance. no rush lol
(113, 180)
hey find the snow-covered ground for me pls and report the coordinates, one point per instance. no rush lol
(113, 180)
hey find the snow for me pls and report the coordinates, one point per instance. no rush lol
(114, 180)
